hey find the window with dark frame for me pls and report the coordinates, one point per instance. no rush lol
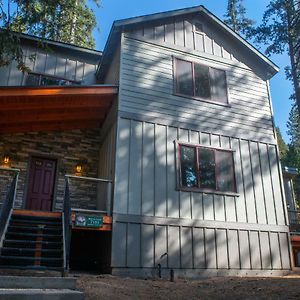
(36, 79)
(206, 169)
(198, 27)
(199, 81)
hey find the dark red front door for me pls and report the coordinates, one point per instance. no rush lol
(41, 184)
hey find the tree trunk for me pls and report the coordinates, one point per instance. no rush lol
(293, 55)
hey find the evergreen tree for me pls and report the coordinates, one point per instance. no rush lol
(69, 21)
(293, 126)
(235, 18)
(283, 148)
(292, 157)
(280, 29)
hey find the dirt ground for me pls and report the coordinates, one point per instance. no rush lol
(111, 287)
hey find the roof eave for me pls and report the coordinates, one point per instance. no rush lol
(120, 24)
(58, 44)
(274, 68)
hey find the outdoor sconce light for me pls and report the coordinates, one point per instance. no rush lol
(78, 169)
(6, 160)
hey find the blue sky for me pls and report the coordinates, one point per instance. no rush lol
(120, 9)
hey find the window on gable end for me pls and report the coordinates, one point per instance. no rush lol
(184, 77)
(198, 27)
(200, 81)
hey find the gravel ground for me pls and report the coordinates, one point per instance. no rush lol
(111, 287)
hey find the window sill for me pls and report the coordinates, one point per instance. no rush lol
(205, 191)
(203, 100)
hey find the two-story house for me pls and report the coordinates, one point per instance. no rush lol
(172, 123)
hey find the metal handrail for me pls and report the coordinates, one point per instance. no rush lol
(88, 178)
(9, 169)
(67, 225)
(8, 206)
(109, 189)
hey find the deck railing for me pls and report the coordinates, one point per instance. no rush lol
(294, 220)
(67, 211)
(294, 216)
(103, 194)
(8, 204)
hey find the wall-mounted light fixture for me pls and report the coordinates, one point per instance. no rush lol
(78, 169)
(6, 160)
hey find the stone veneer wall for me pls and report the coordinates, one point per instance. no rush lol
(68, 147)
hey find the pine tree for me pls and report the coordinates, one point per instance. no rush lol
(283, 148)
(69, 21)
(293, 126)
(280, 29)
(292, 157)
(235, 18)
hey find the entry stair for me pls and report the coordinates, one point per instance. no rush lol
(33, 240)
(38, 288)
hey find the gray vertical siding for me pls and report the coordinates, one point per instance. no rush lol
(196, 230)
(152, 95)
(107, 154)
(146, 177)
(180, 32)
(113, 73)
(191, 248)
(56, 63)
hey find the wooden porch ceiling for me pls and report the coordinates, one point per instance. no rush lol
(24, 109)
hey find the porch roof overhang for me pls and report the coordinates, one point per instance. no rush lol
(24, 109)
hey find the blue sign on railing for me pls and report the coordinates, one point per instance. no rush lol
(88, 221)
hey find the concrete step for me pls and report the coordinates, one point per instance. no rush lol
(40, 294)
(30, 282)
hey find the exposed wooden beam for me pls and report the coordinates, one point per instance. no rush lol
(28, 103)
(49, 126)
(55, 91)
(13, 118)
(24, 109)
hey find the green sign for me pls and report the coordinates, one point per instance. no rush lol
(88, 221)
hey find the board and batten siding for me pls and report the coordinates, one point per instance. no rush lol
(113, 73)
(196, 230)
(107, 154)
(106, 165)
(181, 33)
(193, 232)
(151, 94)
(54, 63)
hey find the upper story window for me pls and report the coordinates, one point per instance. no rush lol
(36, 79)
(206, 169)
(198, 27)
(200, 81)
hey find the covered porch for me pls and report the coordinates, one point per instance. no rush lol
(51, 147)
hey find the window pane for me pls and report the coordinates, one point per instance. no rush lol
(198, 27)
(54, 81)
(49, 81)
(32, 80)
(207, 168)
(184, 77)
(218, 85)
(188, 166)
(202, 83)
(225, 172)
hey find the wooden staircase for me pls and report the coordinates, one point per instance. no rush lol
(33, 240)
